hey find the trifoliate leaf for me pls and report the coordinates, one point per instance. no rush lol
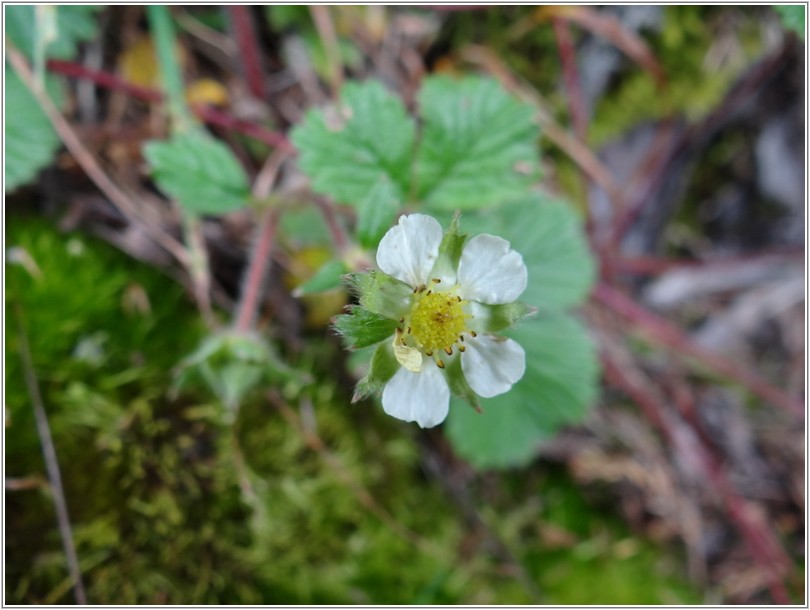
(478, 147)
(549, 236)
(31, 141)
(200, 172)
(348, 150)
(74, 23)
(361, 328)
(376, 212)
(558, 387)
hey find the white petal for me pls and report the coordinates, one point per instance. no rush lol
(421, 397)
(409, 250)
(490, 271)
(492, 365)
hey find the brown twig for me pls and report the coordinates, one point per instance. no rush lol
(88, 162)
(762, 544)
(663, 332)
(326, 32)
(576, 104)
(51, 461)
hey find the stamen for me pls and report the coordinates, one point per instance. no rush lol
(448, 351)
(473, 333)
(461, 338)
(402, 320)
(409, 330)
(436, 280)
(429, 292)
(439, 363)
(462, 348)
(458, 298)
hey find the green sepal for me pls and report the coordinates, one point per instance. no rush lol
(458, 383)
(446, 266)
(380, 293)
(361, 327)
(382, 367)
(495, 318)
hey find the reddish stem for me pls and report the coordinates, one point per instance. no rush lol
(651, 265)
(762, 544)
(212, 116)
(576, 103)
(259, 262)
(662, 331)
(248, 48)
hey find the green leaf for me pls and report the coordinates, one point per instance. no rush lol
(74, 24)
(549, 236)
(478, 147)
(361, 328)
(328, 277)
(558, 387)
(376, 212)
(30, 140)
(792, 16)
(199, 171)
(348, 150)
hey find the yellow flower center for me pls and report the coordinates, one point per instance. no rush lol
(437, 320)
(436, 323)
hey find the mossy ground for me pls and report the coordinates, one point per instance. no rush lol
(154, 495)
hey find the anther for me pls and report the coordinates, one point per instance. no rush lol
(458, 298)
(448, 351)
(440, 363)
(461, 337)
(402, 320)
(461, 348)
(436, 280)
(473, 333)
(428, 353)
(409, 330)
(429, 292)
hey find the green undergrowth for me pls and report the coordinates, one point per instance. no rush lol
(157, 506)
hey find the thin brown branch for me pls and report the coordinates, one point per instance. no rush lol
(209, 115)
(665, 333)
(326, 31)
(88, 162)
(51, 461)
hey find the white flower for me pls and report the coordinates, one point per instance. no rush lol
(444, 319)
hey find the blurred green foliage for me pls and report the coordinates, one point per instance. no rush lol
(156, 503)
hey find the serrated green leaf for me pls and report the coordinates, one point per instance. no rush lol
(478, 147)
(347, 150)
(361, 328)
(327, 277)
(30, 140)
(201, 173)
(74, 24)
(558, 387)
(376, 213)
(792, 16)
(549, 236)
